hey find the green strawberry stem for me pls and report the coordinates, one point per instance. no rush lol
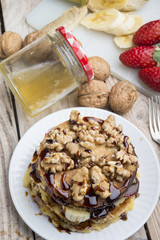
(156, 56)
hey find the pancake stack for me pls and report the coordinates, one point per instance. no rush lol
(84, 174)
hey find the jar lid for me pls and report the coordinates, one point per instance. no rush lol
(72, 41)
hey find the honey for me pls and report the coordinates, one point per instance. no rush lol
(42, 85)
(46, 70)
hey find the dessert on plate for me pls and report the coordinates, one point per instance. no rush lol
(84, 174)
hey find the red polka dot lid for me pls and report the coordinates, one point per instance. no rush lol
(72, 41)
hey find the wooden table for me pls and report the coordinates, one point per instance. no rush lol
(14, 123)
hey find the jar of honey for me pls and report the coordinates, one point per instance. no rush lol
(46, 70)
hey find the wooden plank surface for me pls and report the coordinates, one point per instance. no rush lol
(11, 222)
(11, 225)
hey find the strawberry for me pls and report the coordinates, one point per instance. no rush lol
(151, 77)
(148, 34)
(141, 56)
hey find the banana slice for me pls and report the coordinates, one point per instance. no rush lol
(105, 20)
(75, 215)
(95, 5)
(139, 21)
(124, 41)
(124, 27)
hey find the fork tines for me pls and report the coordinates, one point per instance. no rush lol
(154, 117)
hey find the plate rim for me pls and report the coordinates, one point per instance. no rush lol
(79, 109)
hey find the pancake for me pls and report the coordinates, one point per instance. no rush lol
(83, 176)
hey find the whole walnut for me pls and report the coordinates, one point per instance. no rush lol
(31, 37)
(93, 94)
(122, 97)
(10, 42)
(100, 67)
(41, 51)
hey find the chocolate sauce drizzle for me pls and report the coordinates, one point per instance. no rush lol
(64, 185)
(124, 216)
(49, 177)
(90, 199)
(50, 141)
(125, 142)
(34, 173)
(43, 153)
(100, 121)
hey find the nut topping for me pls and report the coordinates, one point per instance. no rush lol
(57, 162)
(100, 184)
(80, 184)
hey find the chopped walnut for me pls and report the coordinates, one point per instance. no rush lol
(84, 153)
(91, 136)
(92, 160)
(116, 170)
(124, 143)
(54, 145)
(72, 147)
(100, 139)
(100, 184)
(109, 124)
(76, 116)
(99, 160)
(62, 136)
(57, 162)
(115, 136)
(80, 184)
(93, 122)
(87, 145)
(85, 136)
(125, 157)
(87, 162)
(65, 136)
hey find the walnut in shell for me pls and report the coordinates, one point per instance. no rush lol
(100, 67)
(122, 97)
(41, 51)
(10, 42)
(31, 37)
(93, 94)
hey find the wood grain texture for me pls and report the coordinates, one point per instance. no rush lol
(11, 225)
(10, 222)
(14, 19)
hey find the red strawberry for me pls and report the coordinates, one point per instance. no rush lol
(151, 76)
(141, 56)
(148, 34)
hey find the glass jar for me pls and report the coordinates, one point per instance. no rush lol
(46, 70)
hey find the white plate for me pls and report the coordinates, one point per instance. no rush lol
(97, 43)
(149, 180)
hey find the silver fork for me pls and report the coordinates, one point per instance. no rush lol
(154, 118)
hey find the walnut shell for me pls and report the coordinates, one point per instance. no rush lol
(122, 97)
(41, 51)
(31, 37)
(93, 94)
(11, 42)
(100, 67)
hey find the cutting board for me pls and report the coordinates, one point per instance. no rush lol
(97, 43)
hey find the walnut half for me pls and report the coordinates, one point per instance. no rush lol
(57, 162)
(80, 184)
(100, 184)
